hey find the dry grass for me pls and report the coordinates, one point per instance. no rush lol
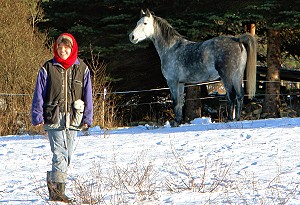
(22, 52)
(118, 184)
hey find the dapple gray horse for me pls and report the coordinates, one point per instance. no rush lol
(184, 61)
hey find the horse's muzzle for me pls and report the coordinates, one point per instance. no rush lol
(132, 40)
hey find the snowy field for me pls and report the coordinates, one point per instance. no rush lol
(247, 162)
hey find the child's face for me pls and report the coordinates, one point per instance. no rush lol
(63, 51)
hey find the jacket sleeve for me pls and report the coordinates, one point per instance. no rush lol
(38, 98)
(88, 99)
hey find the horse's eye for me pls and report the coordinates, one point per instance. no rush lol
(145, 23)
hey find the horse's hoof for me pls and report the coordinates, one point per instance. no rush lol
(231, 120)
(228, 119)
(174, 124)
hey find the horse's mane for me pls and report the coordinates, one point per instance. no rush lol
(167, 31)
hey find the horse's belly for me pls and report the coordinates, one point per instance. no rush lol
(190, 72)
(200, 78)
(213, 74)
(199, 74)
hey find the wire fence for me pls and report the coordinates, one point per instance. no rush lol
(295, 84)
(16, 107)
(290, 84)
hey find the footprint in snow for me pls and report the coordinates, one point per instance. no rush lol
(42, 146)
(245, 135)
(254, 163)
(245, 167)
(159, 143)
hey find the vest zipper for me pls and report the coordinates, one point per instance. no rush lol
(66, 100)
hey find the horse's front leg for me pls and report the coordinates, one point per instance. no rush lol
(177, 93)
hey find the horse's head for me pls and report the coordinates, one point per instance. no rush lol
(144, 28)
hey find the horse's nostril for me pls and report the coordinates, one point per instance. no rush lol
(131, 38)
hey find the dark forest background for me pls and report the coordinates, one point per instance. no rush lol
(104, 25)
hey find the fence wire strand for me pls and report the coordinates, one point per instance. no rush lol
(162, 89)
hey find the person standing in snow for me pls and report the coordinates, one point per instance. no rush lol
(62, 103)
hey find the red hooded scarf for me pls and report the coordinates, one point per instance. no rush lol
(73, 56)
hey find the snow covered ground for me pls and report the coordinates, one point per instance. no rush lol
(247, 162)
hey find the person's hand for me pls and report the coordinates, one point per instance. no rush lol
(85, 127)
(39, 125)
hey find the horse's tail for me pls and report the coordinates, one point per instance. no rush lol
(249, 41)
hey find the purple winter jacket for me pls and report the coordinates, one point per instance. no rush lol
(40, 92)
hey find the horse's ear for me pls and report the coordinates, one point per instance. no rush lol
(148, 13)
(143, 13)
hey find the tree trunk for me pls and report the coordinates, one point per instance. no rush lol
(250, 28)
(193, 105)
(272, 100)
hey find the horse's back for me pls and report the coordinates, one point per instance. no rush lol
(226, 45)
(229, 54)
(193, 62)
(224, 54)
(196, 62)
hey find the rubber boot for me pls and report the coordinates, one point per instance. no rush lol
(57, 191)
(61, 187)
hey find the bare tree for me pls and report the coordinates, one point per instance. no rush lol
(104, 103)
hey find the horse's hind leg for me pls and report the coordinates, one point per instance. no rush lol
(235, 111)
(231, 97)
(239, 98)
(239, 107)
